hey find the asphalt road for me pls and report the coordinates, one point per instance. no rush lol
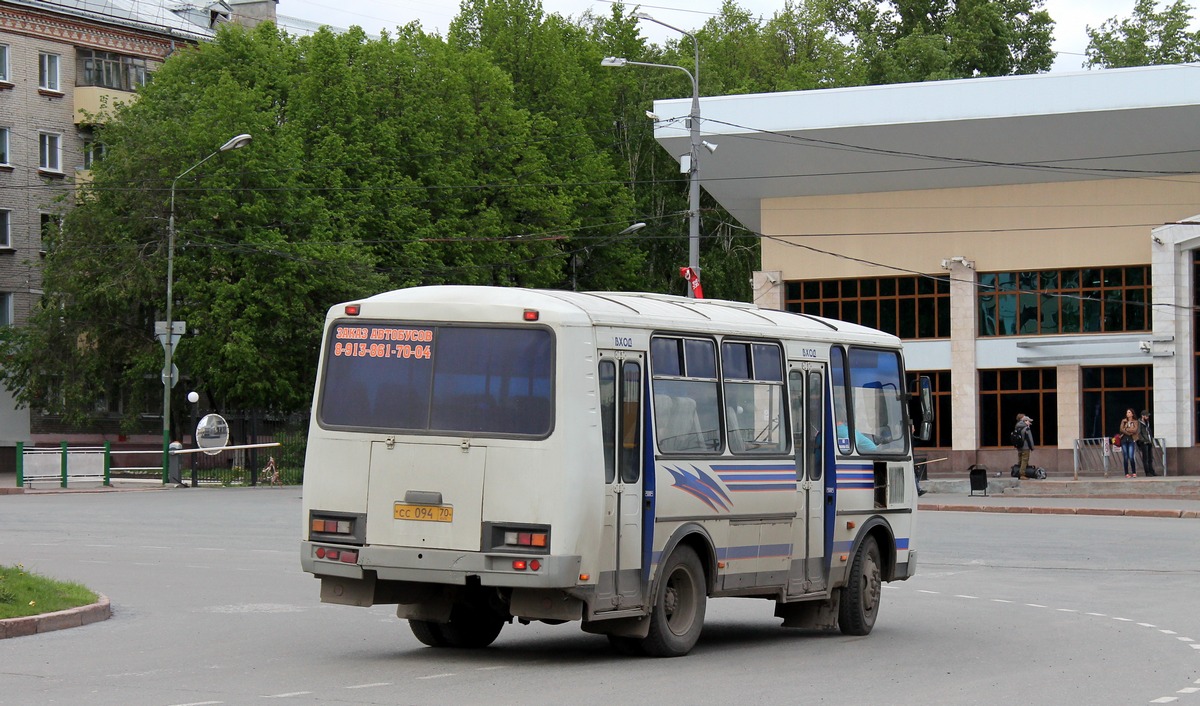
(210, 607)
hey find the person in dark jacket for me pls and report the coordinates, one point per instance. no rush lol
(1145, 443)
(1024, 428)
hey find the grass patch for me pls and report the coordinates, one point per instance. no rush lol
(23, 593)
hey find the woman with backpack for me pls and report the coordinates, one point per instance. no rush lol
(1129, 434)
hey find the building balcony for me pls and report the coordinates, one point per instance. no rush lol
(98, 102)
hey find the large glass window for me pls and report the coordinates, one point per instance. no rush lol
(1108, 392)
(6, 309)
(686, 406)
(5, 72)
(1003, 394)
(754, 397)
(48, 72)
(4, 132)
(1091, 300)
(102, 68)
(438, 379)
(5, 228)
(908, 307)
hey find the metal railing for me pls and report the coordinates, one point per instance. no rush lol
(1100, 456)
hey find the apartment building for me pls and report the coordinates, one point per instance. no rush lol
(1031, 238)
(61, 62)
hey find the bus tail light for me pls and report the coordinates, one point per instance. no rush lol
(353, 309)
(531, 315)
(518, 539)
(338, 527)
(527, 539)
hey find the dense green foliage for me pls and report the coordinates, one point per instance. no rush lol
(1148, 37)
(502, 153)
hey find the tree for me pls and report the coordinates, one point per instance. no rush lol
(1148, 37)
(922, 40)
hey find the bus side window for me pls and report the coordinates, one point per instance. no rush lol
(607, 374)
(631, 427)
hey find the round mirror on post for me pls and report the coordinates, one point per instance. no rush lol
(212, 434)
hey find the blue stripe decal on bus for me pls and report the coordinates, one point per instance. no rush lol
(754, 551)
(755, 478)
(700, 485)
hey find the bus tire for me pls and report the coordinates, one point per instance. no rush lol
(861, 595)
(678, 613)
(471, 627)
(428, 632)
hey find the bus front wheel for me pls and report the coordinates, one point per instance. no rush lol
(678, 613)
(860, 598)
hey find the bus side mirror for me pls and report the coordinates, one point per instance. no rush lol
(924, 430)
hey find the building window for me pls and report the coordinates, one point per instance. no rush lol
(943, 422)
(49, 152)
(1005, 393)
(1108, 392)
(4, 70)
(6, 309)
(92, 152)
(102, 68)
(908, 307)
(51, 228)
(5, 228)
(4, 146)
(48, 72)
(1097, 300)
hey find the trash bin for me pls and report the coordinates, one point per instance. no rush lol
(979, 478)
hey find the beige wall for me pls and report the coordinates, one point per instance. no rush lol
(1071, 224)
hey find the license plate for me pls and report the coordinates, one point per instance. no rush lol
(423, 513)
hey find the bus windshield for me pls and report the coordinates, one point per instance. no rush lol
(438, 379)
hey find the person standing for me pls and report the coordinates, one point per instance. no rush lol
(1129, 435)
(1145, 443)
(1025, 431)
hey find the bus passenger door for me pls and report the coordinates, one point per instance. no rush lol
(621, 388)
(807, 389)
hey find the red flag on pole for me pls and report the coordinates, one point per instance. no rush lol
(693, 280)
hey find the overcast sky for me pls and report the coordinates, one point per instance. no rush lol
(1071, 16)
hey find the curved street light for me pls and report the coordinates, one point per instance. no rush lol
(693, 132)
(168, 341)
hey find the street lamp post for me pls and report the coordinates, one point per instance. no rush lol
(693, 133)
(169, 338)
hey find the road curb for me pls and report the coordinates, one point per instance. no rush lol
(1040, 510)
(58, 620)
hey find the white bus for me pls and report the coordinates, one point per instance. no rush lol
(478, 455)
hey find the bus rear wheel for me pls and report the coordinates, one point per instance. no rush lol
(678, 613)
(860, 598)
(428, 632)
(470, 627)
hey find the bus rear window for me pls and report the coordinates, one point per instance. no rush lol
(438, 379)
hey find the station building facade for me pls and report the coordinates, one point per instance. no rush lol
(1032, 239)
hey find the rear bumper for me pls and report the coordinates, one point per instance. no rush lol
(442, 566)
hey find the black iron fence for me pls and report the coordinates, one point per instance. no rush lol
(247, 466)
